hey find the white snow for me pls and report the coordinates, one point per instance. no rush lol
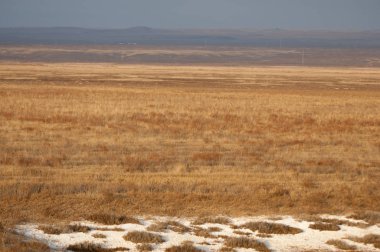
(309, 239)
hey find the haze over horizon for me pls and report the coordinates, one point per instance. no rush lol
(186, 14)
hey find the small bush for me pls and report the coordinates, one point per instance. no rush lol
(243, 242)
(91, 247)
(145, 247)
(64, 229)
(322, 226)
(99, 236)
(271, 228)
(168, 225)
(341, 245)
(369, 216)
(143, 237)
(368, 239)
(183, 248)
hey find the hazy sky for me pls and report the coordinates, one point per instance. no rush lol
(256, 14)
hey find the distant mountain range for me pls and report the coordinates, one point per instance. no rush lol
(150, 36)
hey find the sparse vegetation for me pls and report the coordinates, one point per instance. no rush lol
(217, 220)
(109, 219)
(186, 247)
(271, 228)
(322, 226)
(10, 242)
(168, 225)
(198, 231)
(91, 247)
(63, 229)
(144, 247)
(243, 242)
(341, 245)
(371, 217)
(368, 239)
(143, 237)
(99, 236)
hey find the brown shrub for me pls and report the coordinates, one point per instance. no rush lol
(370, 217)
(10, 242)
(168, 225)
(100, 236)
(109, 219)
(143, 237)
(226, 249)
(203, 233)
(217, 220)
(322, 226)
(111, 229)
(183, 248)
(243, 242)
(64, 229)
(271, 228)
(341, 245)
(144, 247)
(368, 239)
(91, 247)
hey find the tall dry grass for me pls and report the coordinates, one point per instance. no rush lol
(82, 139)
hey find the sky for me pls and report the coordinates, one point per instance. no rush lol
(173, 14)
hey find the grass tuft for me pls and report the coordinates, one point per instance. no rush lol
(143, 237)
(271, 228)
(341, 245)
(91, 247)
(168, 225)
(243, 242)
(323, 226)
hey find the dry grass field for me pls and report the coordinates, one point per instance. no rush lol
(82, 139)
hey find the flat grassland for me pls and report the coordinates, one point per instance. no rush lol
(80, 139)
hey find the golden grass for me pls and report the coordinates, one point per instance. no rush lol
(91, 247)
(143, 237)
(64, 229)
(144, 247)
(368, 239)
(186, 247)
(322, 226)
(341, 245)
(99, 236)
(110, 219)
(81, 139)
(10, 242)
(271, 228)
(243, 242)
(168, 225)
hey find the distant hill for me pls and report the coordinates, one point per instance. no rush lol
(150, 36)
